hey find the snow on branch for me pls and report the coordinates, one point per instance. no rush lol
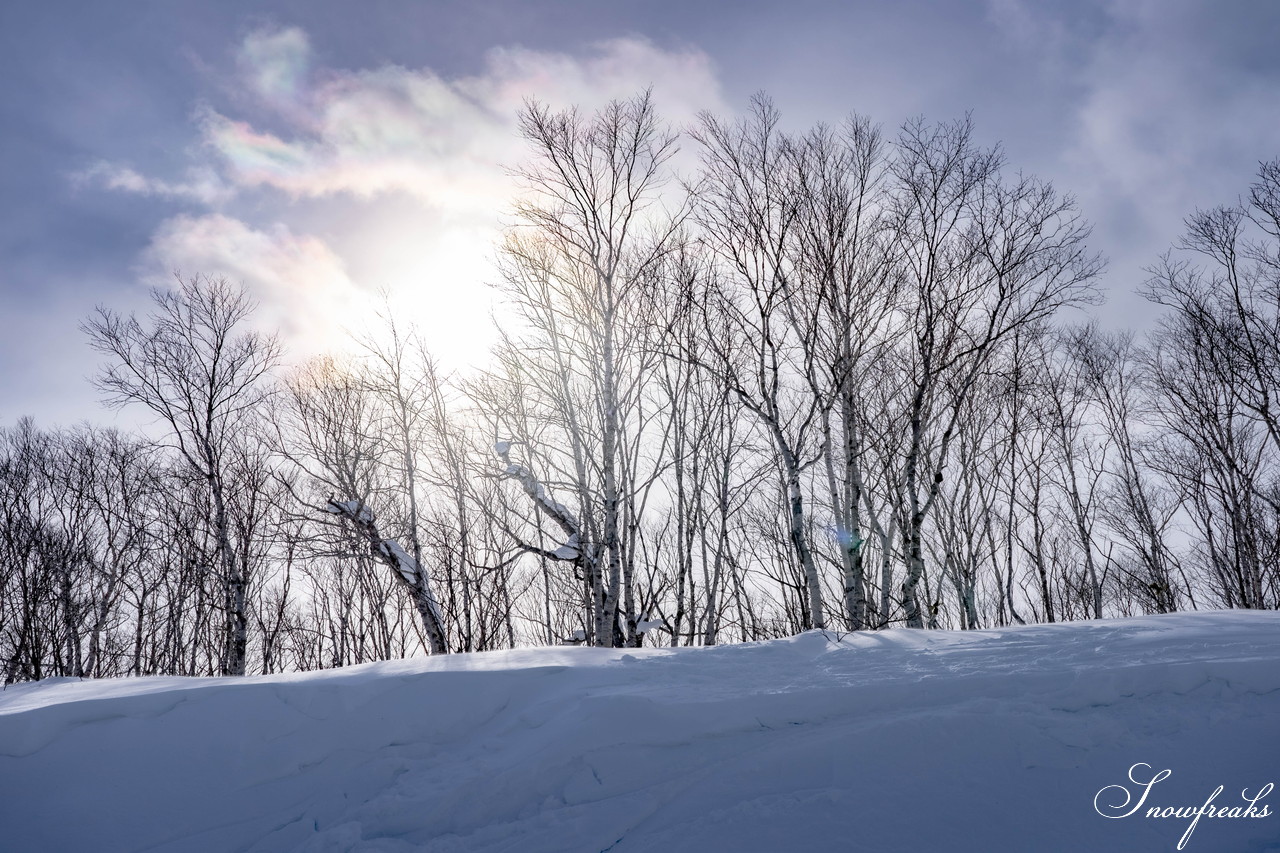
(404, 564)
(533, 488)
(388, 551)
(572, 548)
(392, 554)
(644, 626)
(355, 510)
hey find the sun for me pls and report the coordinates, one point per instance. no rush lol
(436, 277)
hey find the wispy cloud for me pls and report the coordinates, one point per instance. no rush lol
(1160, 89)
(202, 184)
(301, 284)
(394, 129)
(276, 63)
(423, 154)
(1160, 111)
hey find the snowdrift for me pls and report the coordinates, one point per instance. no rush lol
(1025, 739)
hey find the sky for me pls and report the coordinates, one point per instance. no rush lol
(331, 156)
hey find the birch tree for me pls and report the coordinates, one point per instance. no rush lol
(748, 211)
(983, 258)
(195, 365)
(579, 274)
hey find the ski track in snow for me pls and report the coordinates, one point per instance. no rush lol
(898, 740)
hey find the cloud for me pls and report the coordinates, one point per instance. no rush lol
(1162, 107)
(394, 129)
(400, 130)
(1171, 119)
(276, 63)
(202, 183)
(301, 284)
(401, 169)
(1034, 31)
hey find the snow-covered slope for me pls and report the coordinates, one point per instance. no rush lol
(901, 740)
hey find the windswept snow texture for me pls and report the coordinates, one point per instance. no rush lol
(902, 740)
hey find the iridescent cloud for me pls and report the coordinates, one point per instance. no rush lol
(301, 285)
(425, 155)
(395, 129)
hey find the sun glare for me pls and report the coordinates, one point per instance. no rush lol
(437, 281)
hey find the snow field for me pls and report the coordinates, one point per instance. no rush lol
(899, 740)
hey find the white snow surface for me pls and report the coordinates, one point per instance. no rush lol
(354, 509)
(570, 550)
(900, 740)
(407, 566)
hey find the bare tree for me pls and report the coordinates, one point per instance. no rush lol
(982, 258)
(329, 427)
(748, 211)
(196, 367)
(1139, 509)
(846, 290)
(580, 279)
(1214, 367)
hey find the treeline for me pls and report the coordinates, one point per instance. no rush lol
(831, 379)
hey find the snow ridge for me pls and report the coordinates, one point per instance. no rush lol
(921, 740)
